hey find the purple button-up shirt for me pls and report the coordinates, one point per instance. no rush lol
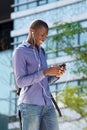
(28, 65)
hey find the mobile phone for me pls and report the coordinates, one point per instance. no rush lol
(62, 65)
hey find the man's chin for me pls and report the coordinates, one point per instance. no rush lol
(40, 42)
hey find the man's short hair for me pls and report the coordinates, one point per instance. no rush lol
(38, 23)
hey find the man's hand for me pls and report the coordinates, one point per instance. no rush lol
(55, 71)
(61, 70)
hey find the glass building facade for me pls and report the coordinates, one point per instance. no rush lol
(51, 11)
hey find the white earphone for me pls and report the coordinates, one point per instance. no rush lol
(32, 33)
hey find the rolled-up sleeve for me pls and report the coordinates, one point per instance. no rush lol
(52, 79)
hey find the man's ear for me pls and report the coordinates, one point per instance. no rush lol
(32, 31)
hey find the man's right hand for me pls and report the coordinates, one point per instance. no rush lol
(54, 71)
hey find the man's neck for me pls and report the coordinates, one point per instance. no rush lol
(30, 41)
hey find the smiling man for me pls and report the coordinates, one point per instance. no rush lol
(33, 77)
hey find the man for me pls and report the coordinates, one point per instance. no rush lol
(33, 77)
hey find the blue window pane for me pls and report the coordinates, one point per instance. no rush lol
(61, 53)
(52, 88)
(51, 55)
(52, 31)
(49, 1)
(15, 39)
(84, 24)
(83, 83)
(74, 41)
(73, 83)
(16, 9)
(83, 38)
(22, 7)
(31, 5)
(22, 1)
(22, 38)
(16, 1)
(60, 86)
(41, 2)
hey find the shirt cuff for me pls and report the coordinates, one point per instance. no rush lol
(41, 75)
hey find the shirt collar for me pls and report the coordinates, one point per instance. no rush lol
(27, 44)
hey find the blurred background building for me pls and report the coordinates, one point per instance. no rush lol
(15, 17)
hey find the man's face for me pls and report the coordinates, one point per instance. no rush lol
(40, 35)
